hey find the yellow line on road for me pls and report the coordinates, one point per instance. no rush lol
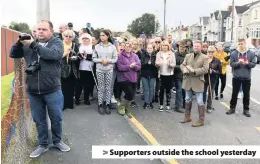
(225, 105)
(258, 128)
(149, 136)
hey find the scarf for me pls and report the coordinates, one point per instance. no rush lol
(66, 47)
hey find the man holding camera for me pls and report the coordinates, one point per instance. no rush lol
(43, 58)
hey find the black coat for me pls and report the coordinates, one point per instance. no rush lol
(216, 67)
(72, 66)
(148, 70)
(179, 60)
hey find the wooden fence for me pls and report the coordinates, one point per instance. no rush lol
(8, 38)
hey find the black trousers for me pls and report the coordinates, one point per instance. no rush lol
(138, 80)
(223, 79)
(117, 90)
(166, 84)
(87, 83)
(129, 89)
(246, 84)
(67, 86)
(157, 87)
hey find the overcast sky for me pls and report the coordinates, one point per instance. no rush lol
(104, 13)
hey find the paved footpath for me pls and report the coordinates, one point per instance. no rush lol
(220, 129)
(84, 127)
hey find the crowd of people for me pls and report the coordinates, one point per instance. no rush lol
(74, 61)
(157, 64)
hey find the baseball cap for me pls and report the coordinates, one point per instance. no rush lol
(70, 24)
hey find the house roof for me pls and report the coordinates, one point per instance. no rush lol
(216, 15)
(242, 9)
(205, 20)
(252, 3)
(225, 14)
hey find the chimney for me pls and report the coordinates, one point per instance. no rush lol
(229, 8)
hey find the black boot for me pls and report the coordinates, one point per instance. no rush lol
(86, 102)
(101, 110)
(108, 109)
(246, 113)
(145, 105)
(151, 105)
(77, 102)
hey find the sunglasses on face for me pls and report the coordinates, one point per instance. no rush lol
(68, 36)
(158, 42)
(210, 52)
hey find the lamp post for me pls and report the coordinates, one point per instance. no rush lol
(232, 25)
(164, 24)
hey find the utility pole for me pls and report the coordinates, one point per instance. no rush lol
(232, 25)
(43, 13)
(180, 32)
(164, 24)
(43, 10)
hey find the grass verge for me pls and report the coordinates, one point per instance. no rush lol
(6, 92)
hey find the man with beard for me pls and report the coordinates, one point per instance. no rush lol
(189, 46)
(194, 67)
(180, 93)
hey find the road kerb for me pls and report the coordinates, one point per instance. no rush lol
(147, 136)
(225, 105)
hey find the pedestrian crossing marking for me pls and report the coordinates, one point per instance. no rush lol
(149, 136)
(225, 105)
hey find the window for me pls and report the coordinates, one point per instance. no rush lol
(254, 33)
(240, 22)
(256, 14)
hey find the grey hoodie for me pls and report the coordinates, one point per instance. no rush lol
(241, 71)
(105, 52)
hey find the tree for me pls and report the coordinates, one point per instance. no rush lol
(144, 25)
(21, 27)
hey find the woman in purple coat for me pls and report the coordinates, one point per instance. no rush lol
(128, 65)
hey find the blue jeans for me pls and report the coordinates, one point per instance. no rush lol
(53, 102)
(209, 100)
(199, 96)
(179, 94)
(148, 87)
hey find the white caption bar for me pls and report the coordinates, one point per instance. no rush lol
(177, 152)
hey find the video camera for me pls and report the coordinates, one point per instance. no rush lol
(24, 37)
(33, 67)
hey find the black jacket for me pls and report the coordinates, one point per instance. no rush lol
(47, 79)
(216, 67)
(72, 66)
(179, 60)
(148, 70)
